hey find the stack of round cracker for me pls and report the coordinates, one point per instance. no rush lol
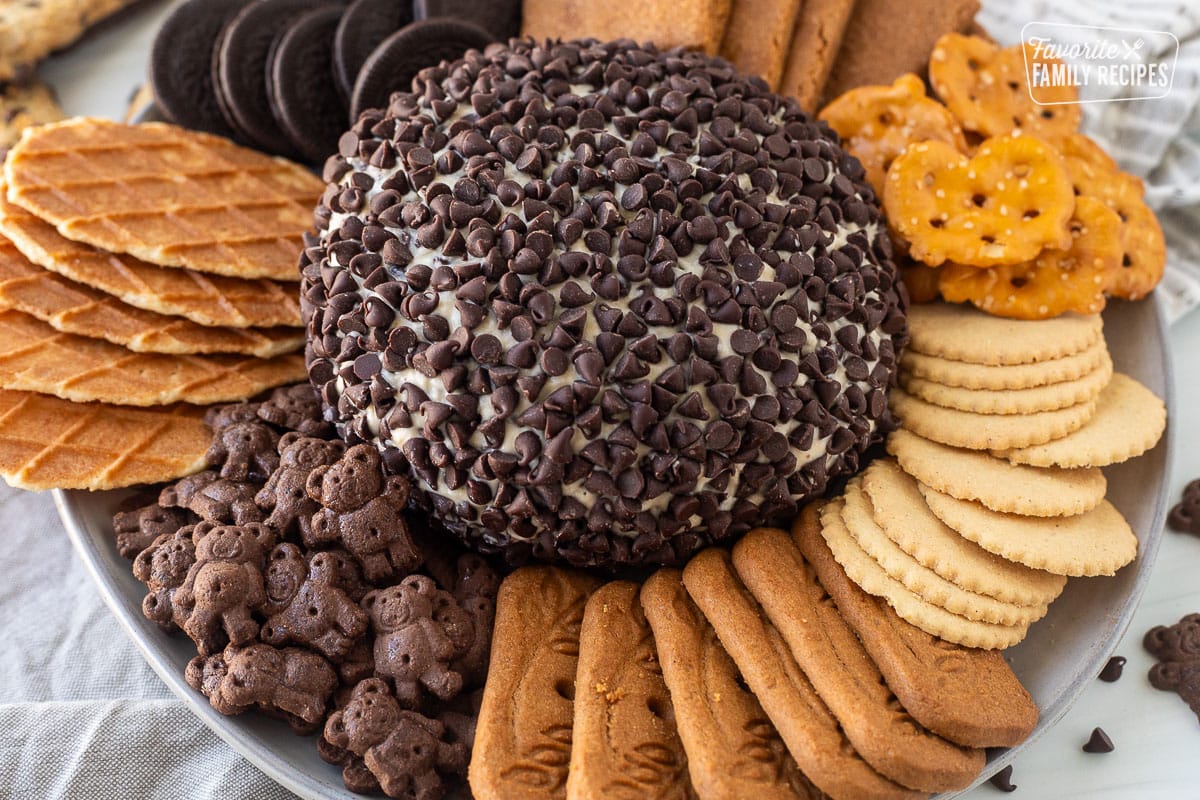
(145, 273)
(996, 494)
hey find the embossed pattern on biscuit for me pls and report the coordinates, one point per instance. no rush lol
(624, 742)
(523, 738)
(966, 695)
(811, 732)
(733, 750)
(842, 672)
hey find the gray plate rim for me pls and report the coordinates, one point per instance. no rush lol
(271, 747)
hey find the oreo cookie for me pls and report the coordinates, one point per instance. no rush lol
(240, 60)
(179, 65)
(501, 18)
(306, 104)
(392, 66)
(364, 26)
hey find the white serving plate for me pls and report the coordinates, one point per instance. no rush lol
(1063, 653)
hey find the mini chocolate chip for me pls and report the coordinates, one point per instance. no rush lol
(435, 327)
(487, 349)
(572, 295)
(522, 355)
(522, 328)
(1112, 670)
(743, 341)
(569, 231)
(1099, 742)
(1002, 780)
(631, 483)
(554, 361)
(634, 197)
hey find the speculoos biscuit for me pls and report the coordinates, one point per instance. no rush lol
(733, 750)
(804, 721)
(966, 695)
(845, 677)
(624, 741)
(523, 739)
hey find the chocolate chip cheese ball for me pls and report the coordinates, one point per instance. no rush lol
(606, 304)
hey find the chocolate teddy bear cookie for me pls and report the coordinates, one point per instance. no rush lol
(289, 563)
(1185, 516)
(284, 493)
(419, 631)
(1177, 647)
(244, 451)
(213, 498)
(138, 528)
(224, 585)
(291, 683)
(363, 509)
(408, 753)
(475, 589)
(308, 605)
(163, 567)
(298, 409)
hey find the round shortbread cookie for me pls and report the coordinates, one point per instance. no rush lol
(962, 333)
(934, 620)
(902, 514)
(1129, 420)
(1096, 543)
(986, 431)
(1014, 376)
(1050, 397)
(998, 484)
(859, 517)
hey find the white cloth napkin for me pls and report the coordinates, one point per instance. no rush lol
(81, 715)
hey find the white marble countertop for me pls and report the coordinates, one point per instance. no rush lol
(1156, 736)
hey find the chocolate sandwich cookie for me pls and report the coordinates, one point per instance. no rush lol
(501, 18)
(392, 66)
(364, 26)
(179, 65)
(240, 60)
(305, 103)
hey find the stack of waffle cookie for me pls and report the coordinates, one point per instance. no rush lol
(145, 272)
(761, 672)
(995, 494)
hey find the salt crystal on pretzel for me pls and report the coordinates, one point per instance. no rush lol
(1004, 205)
(1143, 256)
(1056, 282)
(877, 123)
(987, 89)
